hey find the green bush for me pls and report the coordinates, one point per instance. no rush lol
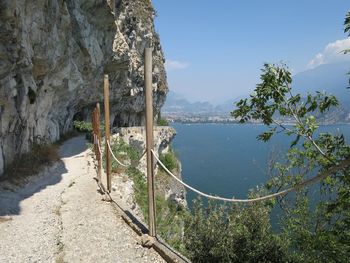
(162, 122)
(140, 189)
(232, 233)
(120, 146)
(169, 160)
(124, 153)
(83, 126)
(169, 216)
(86, 126)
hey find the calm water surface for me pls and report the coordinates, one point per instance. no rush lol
(226, 159)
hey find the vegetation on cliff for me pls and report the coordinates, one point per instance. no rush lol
(169, 215)
(315, 221)
(312, 228)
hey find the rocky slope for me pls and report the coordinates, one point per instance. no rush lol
(52, 58)
(129, 188)
(165, 185)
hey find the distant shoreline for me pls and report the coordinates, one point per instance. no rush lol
(250, 123)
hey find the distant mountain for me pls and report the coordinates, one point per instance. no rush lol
(331, 78)
(177, 104)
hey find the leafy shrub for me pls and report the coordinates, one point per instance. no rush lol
(169, 160)
(162, 122)
(232, 233)
(120, 146)
(86, 127)
(140, 189)
(83, 126)
(169, 216)
(124, 153)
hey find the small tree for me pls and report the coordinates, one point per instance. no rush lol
(313, 229)
(317, 233)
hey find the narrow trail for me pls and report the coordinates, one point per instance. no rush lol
(59, 216)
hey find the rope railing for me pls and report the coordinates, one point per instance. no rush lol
(343, 164)
(119, 162)
(115, 158)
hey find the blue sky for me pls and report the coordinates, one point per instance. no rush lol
(215, 49)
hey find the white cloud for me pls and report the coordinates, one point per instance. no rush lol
(331, 54)
(175, 65)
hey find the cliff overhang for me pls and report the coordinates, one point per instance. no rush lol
(53, 55)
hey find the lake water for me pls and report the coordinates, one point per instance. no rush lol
(226, 159)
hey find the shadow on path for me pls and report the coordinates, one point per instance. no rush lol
(12, 195)
(73, 147)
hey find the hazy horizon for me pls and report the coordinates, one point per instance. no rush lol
(344, 65)
(214, 52)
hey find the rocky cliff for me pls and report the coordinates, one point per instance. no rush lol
(165, 186)
(53, 54)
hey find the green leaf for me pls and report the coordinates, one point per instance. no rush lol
(347, 23)
(265, 136)
(295, 141)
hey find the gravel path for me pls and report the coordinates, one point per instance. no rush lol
(59, 216)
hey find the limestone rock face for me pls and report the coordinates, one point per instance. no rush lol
(136, 137)
(135, 28)
(53, 55)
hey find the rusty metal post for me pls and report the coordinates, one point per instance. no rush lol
(149, 141)
(107, 132)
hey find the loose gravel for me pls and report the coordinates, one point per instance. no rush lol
(59, 216)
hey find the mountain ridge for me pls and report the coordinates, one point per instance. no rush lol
(331, 78)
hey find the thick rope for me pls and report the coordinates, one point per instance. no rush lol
(343, 164)
(115, 158)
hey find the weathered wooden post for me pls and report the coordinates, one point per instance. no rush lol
(98, 136)
(149, 140)
(93, 118)
(107, 132)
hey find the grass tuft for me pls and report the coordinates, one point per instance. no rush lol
(31, 163)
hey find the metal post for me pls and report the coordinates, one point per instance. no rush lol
(149, 141)
(107, 132)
